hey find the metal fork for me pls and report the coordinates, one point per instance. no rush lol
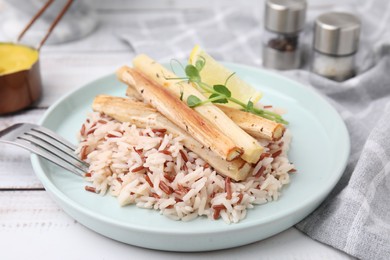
(46, 143)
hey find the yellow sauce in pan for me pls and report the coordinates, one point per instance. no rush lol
(15, 58)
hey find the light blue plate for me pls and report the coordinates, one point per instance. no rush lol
(320, 149)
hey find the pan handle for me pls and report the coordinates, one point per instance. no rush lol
(52, 26)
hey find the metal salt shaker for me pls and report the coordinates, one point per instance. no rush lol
(336, 41)
(283, 25)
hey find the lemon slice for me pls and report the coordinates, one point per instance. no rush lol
(214, 73)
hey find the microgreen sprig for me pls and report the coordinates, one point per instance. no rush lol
(219, 93)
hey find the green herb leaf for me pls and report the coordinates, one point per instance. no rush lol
(218, 93)
(230, 76)
(193, 101)
(221, 100)
(249, 106)
(222, 90)
(192, 73)
(199, 64)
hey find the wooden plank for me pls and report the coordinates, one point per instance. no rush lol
(15, 169)
(31, 221)
(64, 72)
(15, 166)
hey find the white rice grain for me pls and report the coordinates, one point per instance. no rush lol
(153, 170)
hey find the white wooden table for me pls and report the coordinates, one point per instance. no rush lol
(32, 226)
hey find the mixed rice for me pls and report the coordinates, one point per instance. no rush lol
(152, 169)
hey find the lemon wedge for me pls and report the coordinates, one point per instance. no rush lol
(214, 73)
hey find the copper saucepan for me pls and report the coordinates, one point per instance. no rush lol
(20, 77)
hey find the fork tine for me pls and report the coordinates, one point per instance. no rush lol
(49, 156)
(53, 141)
(55, 136)
(55, 151)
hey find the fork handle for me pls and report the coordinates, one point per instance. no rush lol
(45, 154)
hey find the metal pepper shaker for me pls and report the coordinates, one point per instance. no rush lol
(336, 41)
(284, 21)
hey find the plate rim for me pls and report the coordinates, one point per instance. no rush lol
(39, 171)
